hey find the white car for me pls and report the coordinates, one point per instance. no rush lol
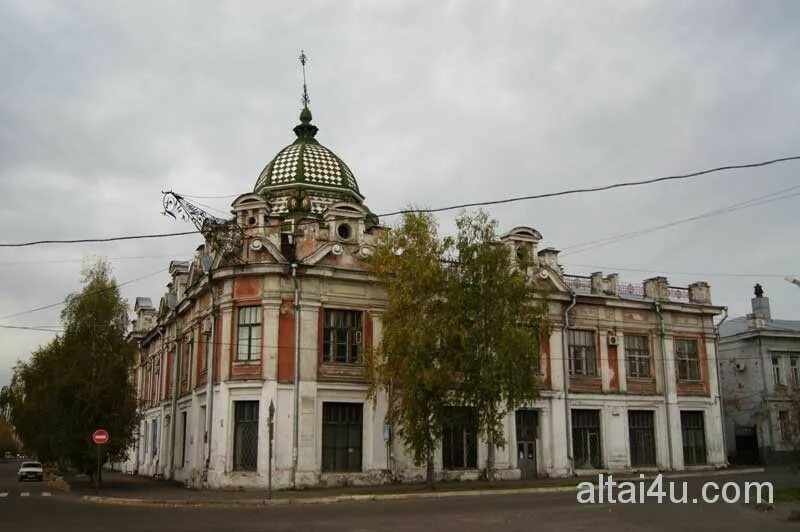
(30, 471)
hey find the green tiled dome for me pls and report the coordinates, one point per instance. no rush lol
(309, 168)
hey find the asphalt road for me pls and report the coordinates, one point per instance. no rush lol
(66, 512)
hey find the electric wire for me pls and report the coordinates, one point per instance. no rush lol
(454, 207)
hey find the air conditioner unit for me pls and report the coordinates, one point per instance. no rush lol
(613, 340)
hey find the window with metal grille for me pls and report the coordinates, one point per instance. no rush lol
(694, 437)
(245, 435)
(586, 445)
(637, 355)
(342, 336)
(687, 359)
(184, 427)
(784, 425)
(154, 435)
(642, 436)
(248, 346)
(460, 439)
(341, 436)
(582, 353)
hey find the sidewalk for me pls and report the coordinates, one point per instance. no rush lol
(136, 490)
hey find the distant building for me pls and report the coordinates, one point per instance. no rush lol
(760, 372)
(628, 377)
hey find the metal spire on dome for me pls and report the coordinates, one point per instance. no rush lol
(303, 58)
(305, 130)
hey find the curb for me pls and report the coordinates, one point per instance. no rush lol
(199, 503)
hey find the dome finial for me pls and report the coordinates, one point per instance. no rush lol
(305, 130)
(303, 58)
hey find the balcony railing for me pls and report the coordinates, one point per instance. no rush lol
(579, 283)
(678, 293)
(631, 289)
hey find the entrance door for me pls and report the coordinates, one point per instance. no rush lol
(527, 431)
(746, 445)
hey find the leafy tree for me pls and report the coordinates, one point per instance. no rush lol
(500, 326)
(413, 363)
(80, 381)
(7, 440)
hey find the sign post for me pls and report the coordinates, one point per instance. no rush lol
(100, 438)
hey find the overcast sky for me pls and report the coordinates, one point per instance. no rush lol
(105, 104)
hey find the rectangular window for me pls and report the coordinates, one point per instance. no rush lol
(784, 425)
(206, 350)
(341, 436)
(642, 437)
(687, 359)
(342, 336)
(183, 437)
(248, 346)
(586, 446)
(694, 438)
(582, 353)
(245, 435)
(794, 369)
(776, 371)
(460, 439)
(637, 355)
(154, 435)
(186, 373)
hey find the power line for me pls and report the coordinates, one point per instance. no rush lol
(459, 206)
(45, 329)
(708, 274)
(63, 301)
(87, 240)
(753, 202)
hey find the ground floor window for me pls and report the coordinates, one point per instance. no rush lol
(245, 435)
(642, 437)
(341, 436)
(694, 437)
(460, 439)
(586, 446)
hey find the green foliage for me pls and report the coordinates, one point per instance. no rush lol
(462, 328)
(414, 362)
(80, 381)
(7, 440)
(500, 326)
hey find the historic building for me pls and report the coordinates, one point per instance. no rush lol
(264, 332)
(760, 375)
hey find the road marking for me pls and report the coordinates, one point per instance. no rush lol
(45, 494)
(24, 494)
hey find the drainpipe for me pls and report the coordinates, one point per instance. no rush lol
(764, 395)
(719, 384)
(565, 371)
(657, 306)
(174, 411)
(210, 348)
(296, 416)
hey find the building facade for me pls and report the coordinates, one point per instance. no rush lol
(251, 368)
(760, 375)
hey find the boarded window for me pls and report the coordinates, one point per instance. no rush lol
(460, 439)
(637, 355)
(249, 339)
(582, 353)
(586, 446)
(341, 436)
(687, 360)
(642, 437)
(694, 437)
(342, 336)
(245, 435)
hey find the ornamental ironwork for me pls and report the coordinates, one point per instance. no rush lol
(226, 236)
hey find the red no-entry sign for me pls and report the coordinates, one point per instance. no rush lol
(100, 436)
